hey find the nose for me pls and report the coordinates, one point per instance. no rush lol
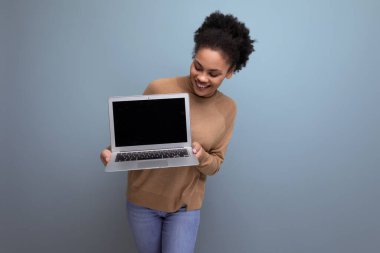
(202, 77)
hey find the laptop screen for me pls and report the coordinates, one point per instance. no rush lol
(149, 122)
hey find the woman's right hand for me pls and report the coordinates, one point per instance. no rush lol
(105, 156)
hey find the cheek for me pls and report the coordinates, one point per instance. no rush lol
(193, 72)
(217, 82)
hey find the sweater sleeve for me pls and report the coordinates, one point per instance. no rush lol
(210, 162)
(150, 89)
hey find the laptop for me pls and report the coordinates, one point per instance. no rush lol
(150, 132)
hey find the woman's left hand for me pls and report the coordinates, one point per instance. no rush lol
(198, 150)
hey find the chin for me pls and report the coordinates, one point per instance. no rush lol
(204, 94)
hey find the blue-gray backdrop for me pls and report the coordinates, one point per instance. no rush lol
(303, 168)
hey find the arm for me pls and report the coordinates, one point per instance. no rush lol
(210, 162)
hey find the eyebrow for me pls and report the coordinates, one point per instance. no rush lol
(212, 70)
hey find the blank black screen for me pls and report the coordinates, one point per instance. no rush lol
(148, 122)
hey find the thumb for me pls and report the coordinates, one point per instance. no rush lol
(105, 156)
(196, 147)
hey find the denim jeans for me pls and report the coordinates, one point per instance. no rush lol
(162, 232)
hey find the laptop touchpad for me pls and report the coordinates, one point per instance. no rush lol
(150, 164)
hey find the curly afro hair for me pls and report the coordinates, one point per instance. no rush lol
(226, 34)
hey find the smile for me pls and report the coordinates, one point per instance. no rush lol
(200, 86)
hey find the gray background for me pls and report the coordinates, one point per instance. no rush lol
(302, 171)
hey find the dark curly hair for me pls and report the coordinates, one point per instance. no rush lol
(227, 34)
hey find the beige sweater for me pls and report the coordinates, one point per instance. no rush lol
(212, 121)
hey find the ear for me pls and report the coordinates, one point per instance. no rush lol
(230, 73)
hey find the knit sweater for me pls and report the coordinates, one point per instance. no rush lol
(212, 121)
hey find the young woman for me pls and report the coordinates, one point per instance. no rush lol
(164, 204)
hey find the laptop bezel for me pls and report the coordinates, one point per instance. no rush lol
(155, 146)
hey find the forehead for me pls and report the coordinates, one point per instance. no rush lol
(211, 59)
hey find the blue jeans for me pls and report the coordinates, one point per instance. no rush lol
(163, 232)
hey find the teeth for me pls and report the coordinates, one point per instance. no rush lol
(201, 86)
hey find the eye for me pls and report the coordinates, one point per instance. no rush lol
(212, 74)
(197, 67)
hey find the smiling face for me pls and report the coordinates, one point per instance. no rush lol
(207, 72)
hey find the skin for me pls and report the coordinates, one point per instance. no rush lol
(207, 72)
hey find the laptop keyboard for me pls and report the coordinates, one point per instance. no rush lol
(146, 155)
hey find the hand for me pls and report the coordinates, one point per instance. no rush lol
(105, 156)
(198, 150)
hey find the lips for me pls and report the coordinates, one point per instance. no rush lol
(201, 86)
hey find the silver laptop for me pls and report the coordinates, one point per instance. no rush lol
(149, 132)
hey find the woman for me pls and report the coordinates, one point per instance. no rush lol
(164, 204)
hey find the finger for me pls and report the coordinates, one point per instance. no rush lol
(196, 147)
(105, 156)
